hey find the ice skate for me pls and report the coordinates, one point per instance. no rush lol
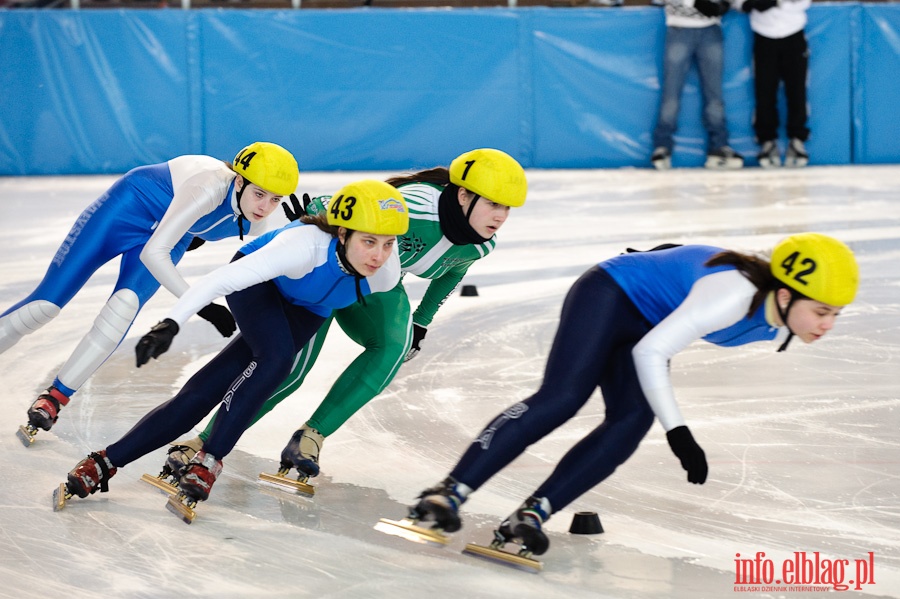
(281, 480)
(768, 155)
(195, 484)
(90, 475)
(302, 453)
(42, 414)
(661, 159)
(439, 504)
(178, 458)
(724, 158)
(523, 528)
(796, 155)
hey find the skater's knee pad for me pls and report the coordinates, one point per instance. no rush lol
(24, 320)
(104, 337)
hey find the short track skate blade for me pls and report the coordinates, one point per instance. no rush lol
(25, 436)
(176, 505)
(504, 557)
(160, 483)
(60, 496)
(407, 529)
(288, 483)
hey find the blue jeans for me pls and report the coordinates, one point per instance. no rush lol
(683, 46)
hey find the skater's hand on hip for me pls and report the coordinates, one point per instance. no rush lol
(418, 334)
(220, 318)
(691, 455)
(156, 342)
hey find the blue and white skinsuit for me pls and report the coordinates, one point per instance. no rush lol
(621, 323)
(148, 217)
(281, 287)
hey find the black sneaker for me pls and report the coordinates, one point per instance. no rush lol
(661, 159)
(768, 155)
(796, 155)
(724, 158)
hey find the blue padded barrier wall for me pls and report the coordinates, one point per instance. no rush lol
(103, 91)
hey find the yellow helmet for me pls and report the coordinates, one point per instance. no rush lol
(492, 174)
(268, 166)
(369, 206)
(818, 266)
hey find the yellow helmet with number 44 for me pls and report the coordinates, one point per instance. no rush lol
(369, 206)
(492, 174)
(817, 266)
(268, 166)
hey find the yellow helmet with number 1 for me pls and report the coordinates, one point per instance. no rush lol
(817, 266)
(492, 174)
(369, 206)
(268, 166)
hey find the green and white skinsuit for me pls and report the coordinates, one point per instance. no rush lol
(383, 325)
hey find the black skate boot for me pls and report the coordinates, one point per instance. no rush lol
(181, 454)
(523, 527)
(42, 414)
(90, 475)
(441, 504)
(302, 451)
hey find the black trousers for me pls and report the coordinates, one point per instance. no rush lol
(777, 60)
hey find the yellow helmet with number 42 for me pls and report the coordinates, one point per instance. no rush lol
(492, 174)
(268, 166)
(817, 266)
(369, 206)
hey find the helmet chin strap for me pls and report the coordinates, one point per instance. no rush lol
(345, 265)
(783, 314)
(472, 205)
(237, 194)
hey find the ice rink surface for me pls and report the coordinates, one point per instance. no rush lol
(804, 447)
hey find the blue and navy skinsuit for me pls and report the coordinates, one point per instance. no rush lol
(148, 217)
(661, 299)
(281, 288)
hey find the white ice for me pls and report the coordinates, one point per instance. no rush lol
(803, 447)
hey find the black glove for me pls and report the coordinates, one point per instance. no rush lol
(297, 209)
(418, 335)
(760, 5)
(692, 457)
(220, 318)
(195, 243)
(710, 8)
(156, 342)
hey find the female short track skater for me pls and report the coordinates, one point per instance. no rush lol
(621, 323)
(454, 216)
(149, 217)
(280, 287)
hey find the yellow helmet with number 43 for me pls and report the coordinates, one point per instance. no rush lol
(369, 206)
(817, 266)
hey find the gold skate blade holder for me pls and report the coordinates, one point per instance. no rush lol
(26, 434)
(60, 496)
(504, 557)
(160, 483)
(281, 480)
(409, 530)
(182, 507)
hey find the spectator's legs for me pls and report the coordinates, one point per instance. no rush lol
(794, 64)
(710, 65)
(676, 62)
(765, 87)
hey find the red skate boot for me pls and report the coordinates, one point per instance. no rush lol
(42, 414)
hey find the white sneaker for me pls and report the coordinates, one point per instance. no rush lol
(724, 158)
(768, 155)
(661, 159)
(796, 155)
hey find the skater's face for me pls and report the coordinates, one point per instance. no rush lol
(487, 217)
(256, 202)
(808, 319)
(367, 252)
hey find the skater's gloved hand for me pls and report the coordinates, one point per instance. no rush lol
(156, 342)
(220, 318)
(760, 5)
(195, 243)
(711, 8)
(297, 209)
(692, 457)
(418, 335)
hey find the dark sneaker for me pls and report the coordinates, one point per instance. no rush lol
(768, 155)
(90, 475)
(661, 159)
(44, 412)
(200, 475)
(796, 155)
(724, 158)
(441, 505)
(302, 451)
(524, 526)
